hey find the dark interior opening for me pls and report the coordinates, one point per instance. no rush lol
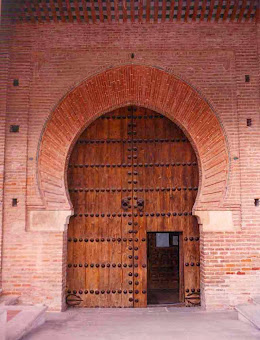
(163, 255)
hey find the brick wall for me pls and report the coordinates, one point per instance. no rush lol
(50, 59)
(4, 62)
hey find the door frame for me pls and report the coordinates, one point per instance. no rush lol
(181, 269)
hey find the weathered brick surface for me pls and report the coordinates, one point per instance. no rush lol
(50, 60)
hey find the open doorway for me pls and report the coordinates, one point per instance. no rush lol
(164, 277)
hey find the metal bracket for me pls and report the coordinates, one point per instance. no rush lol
(73, 300)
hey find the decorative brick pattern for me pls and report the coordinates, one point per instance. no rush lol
(142, 86)
(99, 11)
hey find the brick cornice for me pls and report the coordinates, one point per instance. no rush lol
(144, 86)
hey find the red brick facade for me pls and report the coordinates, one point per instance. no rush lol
(195, 68)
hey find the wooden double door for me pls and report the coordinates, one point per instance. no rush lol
(132, 171)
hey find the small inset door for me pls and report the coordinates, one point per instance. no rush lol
(164, 279)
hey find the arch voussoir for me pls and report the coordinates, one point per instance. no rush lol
(137, 85)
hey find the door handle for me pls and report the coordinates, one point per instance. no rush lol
(124, 203)
(140, 204)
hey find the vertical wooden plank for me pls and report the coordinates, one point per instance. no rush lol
(248, 16)
(156, 9)
(76, 6)
(219, 10)
(101, 14)
(124, 9)
(148, 10)
(257, 14)
(63, 19)
(139, 222)
(29, 9)
(140, 11)
(203, 10)
(179, 13)
(108, 11)
(38, 12)
(45, 10)
(187, 12)
(128, 225)
(53, 11)
(85, 11)
(116, 11)
(132, 6)
(79, 227)
(212, 3)
(93, 11)
(172, 10)
(234, 12)
(23, 14)
(195, 10)
(140, 263)
(242, 10)
(163, 10)
(69, 10)
(228, 4)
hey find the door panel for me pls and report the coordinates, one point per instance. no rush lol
(99, 254)
(139, 157)
(166, 181)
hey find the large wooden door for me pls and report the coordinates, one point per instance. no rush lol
(132, 171)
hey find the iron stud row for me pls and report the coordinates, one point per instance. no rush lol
(70, 239)
(133, 117)
(135, 189)
(152, 214)
(135, 165)
(192, 264)
(108, 291)
(129, 141)
(191, 238)
(108, 265)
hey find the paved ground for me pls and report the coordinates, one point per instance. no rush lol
(143, 324)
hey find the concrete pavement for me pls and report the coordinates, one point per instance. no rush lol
(158, 323)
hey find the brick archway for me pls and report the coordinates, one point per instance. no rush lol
(143, 86)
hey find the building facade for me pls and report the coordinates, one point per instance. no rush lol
(65, 65)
